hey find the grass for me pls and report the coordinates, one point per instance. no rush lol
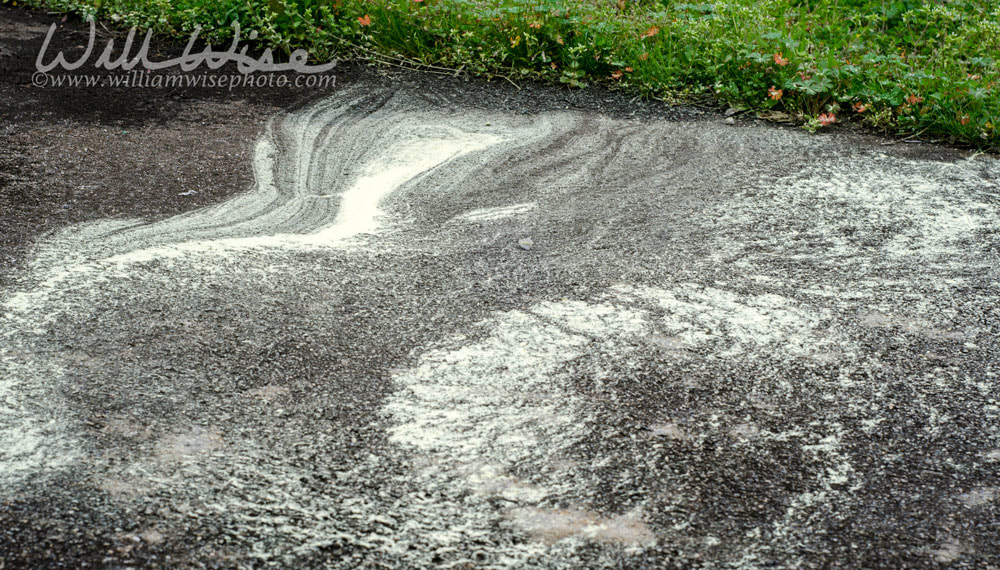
(909, 67)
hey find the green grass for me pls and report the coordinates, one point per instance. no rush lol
(925, 68)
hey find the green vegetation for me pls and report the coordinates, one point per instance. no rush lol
(911, 67)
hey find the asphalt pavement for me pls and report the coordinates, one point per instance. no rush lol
(435, 330)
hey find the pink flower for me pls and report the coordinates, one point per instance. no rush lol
(827, 119)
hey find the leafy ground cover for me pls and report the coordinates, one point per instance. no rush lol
(916, 68)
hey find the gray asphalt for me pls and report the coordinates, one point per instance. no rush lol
(440, 333)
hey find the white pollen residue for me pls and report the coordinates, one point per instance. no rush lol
(497, 213)
(506, 426)
(869, 210)
(474, 412)
(301, 199)
(756, 326)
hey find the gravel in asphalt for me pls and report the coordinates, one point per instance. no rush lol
(428, 322)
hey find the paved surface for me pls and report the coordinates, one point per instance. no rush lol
(439, 332)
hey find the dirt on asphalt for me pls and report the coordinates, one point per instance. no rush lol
(417, 320)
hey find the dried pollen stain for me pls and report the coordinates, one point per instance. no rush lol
(122, 487)
(876, 319)
(269, 393)
(949, 551)
(126, 428)
(979, 497)
(187, 445)
(79, 358)
(552, 525)
(670, 430)
(152, 536)
(746, 430)
(667, 343)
